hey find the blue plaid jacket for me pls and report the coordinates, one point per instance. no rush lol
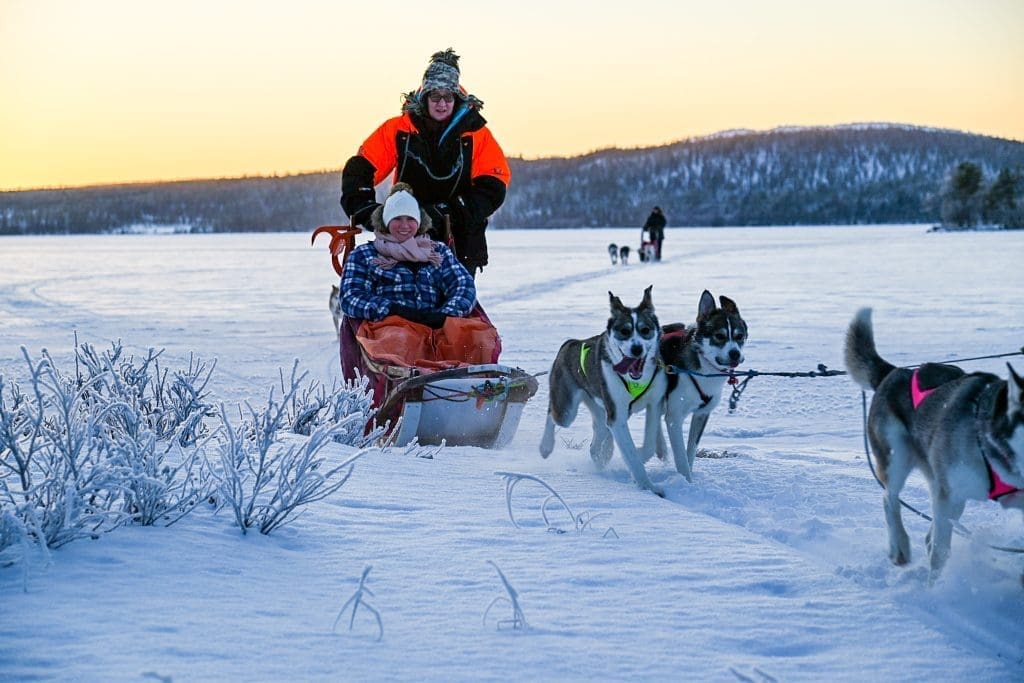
(367, 291)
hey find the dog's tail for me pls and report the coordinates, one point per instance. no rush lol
(865, 366)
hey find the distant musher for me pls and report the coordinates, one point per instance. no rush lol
(653, 232)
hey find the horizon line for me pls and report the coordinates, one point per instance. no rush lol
(726, 133)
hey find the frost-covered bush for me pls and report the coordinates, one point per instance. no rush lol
(83, 453)
(265, 481)
(161, 482)
(121, 440)
(347, 406)
(171, 405)
(54, 444)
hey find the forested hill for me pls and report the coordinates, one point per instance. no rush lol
(873, 173)
(802, 176)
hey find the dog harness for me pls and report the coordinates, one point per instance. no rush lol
(704, 398)
(635, 389)
(917, 394)
(997, 488)
(673, 371)
(673, 382)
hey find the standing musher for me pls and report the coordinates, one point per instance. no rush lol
(655, 229)
(440, 145)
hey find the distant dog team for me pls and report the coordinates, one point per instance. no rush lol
(636, 365)
(618, 254)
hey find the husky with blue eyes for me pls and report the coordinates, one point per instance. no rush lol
(699, 359)
(615, 374)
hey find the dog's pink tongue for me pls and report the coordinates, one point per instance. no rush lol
(633, 366)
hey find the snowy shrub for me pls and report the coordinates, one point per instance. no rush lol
(123, 441)
(172, 407)
(155, 490)
(347, 406)
(84, 453)
(265, 482)
(68, 484)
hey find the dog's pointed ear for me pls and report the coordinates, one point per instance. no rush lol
(706, 306)
(728, 305)
(614, 301)
(647, 303)
(1014, 388)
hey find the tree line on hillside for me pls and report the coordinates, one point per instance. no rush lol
(877, 173)
(821, 176)
(285, 203)
(968, 200)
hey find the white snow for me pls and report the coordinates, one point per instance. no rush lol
(771, 565)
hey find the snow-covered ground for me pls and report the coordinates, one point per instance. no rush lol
(771, 565)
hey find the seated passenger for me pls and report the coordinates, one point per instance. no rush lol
(412, 295)
(403, 271)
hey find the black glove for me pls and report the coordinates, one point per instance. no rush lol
(440, 218)
(437, 212)
(432, 319)
(362, 216)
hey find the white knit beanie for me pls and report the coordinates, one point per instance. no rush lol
(401, 203)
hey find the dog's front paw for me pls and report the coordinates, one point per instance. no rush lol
(657, 490)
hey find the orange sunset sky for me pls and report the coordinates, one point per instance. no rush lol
(113, 91)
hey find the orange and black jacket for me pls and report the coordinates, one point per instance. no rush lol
(459, 171)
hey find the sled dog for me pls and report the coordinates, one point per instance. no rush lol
(712, 346)
(334, 303)
(964, 432)
(624, 254)
(613, 253)
(615, 374)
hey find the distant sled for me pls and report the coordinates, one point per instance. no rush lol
(465, 398)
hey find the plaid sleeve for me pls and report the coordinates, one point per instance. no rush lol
(457, 286)
(357, 297)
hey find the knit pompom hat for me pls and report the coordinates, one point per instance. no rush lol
(442, 74)
(400, 202)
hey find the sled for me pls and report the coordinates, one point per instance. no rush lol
(460, 396)
(647, 250)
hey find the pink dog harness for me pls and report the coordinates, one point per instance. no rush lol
(997, 488)
(917, 394)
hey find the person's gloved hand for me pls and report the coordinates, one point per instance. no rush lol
(362, 216)
(432, 319)
(440, 216)
(437, 213)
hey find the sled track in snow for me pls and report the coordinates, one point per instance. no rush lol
(535, 289)
(905, 587)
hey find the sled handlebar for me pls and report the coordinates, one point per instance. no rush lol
(343, 241)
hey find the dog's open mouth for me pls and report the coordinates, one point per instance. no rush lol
(634, 367)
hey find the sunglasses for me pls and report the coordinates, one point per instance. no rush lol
(436, 97)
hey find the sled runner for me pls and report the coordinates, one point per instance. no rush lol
(432, 385)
